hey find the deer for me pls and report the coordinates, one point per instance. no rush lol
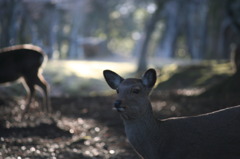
(24, 63)
(215, 135)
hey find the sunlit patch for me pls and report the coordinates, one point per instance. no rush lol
(111, 151)
(173, 108)
(93, 69)
(159, 105)
(23, 148)
(97, 138)
(68, 78)
(190, 92)
(97, 129)
(71, 131)
(22, 106)
(32, 149)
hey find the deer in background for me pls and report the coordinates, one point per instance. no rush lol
(24, 62)
(214, 135)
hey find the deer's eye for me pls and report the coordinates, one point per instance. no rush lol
(136, 90)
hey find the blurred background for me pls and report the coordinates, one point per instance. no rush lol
(80, 29)
(137, 33)
(193, 44)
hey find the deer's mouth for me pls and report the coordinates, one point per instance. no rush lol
(119, 108)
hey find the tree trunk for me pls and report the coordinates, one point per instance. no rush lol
(79, 15)
(237, 59)
(73, 45)
(197, 23)
(233, 12)
(149, 28)
(53, 21)
(230, 86)
(7, 15)
(224, 41)
(168, 42)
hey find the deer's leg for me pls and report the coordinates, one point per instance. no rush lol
(30, 93)
(42, 83)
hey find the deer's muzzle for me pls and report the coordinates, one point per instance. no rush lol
(118, 106)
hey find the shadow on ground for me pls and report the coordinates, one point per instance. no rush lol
(85, 127)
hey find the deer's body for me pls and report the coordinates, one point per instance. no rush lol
(210, 136)
(24, 61)
(206, 136)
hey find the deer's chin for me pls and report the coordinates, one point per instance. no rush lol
(128, 116)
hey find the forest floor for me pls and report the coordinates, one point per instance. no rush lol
(85, 126)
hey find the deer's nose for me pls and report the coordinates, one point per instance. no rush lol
(118, 107)
(117, 103)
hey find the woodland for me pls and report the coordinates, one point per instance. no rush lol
(193, 44)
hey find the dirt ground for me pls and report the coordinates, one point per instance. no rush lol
(83, 127)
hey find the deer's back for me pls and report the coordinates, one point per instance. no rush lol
(215, 135)
(18, 61)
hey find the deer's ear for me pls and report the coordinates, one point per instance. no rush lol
(112, 79)
(149, 78)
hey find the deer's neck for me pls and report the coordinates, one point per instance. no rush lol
(145, 130)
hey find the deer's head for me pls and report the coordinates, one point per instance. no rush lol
(132, 93)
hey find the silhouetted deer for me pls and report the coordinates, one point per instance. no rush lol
(209, 136)
(24, 61)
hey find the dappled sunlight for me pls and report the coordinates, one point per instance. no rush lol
(80, 128)
(89, 137)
